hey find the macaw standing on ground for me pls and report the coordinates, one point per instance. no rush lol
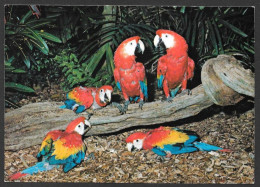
(82, 98)
(64, 148)
(176, 67)
(130, 75)
(165, 141)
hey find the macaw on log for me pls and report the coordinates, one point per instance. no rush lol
(176, 67)
(165, 141)
(82, 98)
(60, 148)
(130, 75)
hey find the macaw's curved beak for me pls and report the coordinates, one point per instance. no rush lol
(106, 98)
(140, 47)
(87, 126)
(130, 147)
(157, 41)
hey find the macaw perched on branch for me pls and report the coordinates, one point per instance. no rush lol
(165, 141)
(82, 98)
(130, 75)
(176, 67)
(64, 148)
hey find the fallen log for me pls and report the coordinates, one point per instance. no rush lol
(27, 126)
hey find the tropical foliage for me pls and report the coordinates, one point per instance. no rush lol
(78, 43)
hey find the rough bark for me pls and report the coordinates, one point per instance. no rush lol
(27, 126)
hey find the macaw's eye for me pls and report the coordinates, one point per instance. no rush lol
(131, 43)
(101, 90)
(166, 35)
(137, 140)
(78, 126)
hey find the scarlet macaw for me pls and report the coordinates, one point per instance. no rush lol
(165, 141)
(176, 67)
(130, 75)
(82, 98)
(64, 148)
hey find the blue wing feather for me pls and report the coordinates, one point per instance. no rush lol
(143, 86)
(118, 86)
(160, 81)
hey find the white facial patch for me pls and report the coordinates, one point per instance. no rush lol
(130, 48)
(80, 128)
(168, 40)
(138, 144)
(156, 40)
(102, 95)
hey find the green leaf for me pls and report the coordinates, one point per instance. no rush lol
(49, 36)
(18, 71)
(109, 60)
(95, 59)
(26, 17)
(218, 37)
(202, 40)
(182, 9)
(18, 87)
(39, 46)
(26, 60)
(38, 38)
(233, 28)
(212, 36)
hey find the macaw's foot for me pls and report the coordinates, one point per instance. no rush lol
(141, 103)
(169, 99)
(162, 158)
(126, 105)
(120, 108)
(89, 115)
(185, 92)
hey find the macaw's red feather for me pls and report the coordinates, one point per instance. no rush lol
(72, 125)
(82, 96)
(176, 67)
(16, 176)
(69, 144)
(121, 59)
(128, 72)
(163, 136)
(135, 136)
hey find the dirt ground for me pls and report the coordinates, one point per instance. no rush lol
(232, 128)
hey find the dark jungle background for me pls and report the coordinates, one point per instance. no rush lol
(71, 46)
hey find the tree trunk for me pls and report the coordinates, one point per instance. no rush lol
(27, 126)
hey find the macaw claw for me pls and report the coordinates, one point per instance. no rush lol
(169, 99)
(186, 92)
(141, 103)
(89, 115)
(120, 108)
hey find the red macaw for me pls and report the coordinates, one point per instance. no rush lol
(130, 75)
(165, 141)
(64, 148)
(176, 67)
(82, 98)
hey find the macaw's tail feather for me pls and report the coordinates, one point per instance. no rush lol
(40, 166)
(206, 147)
(63, 106)
(16, 176)
(225, 150)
